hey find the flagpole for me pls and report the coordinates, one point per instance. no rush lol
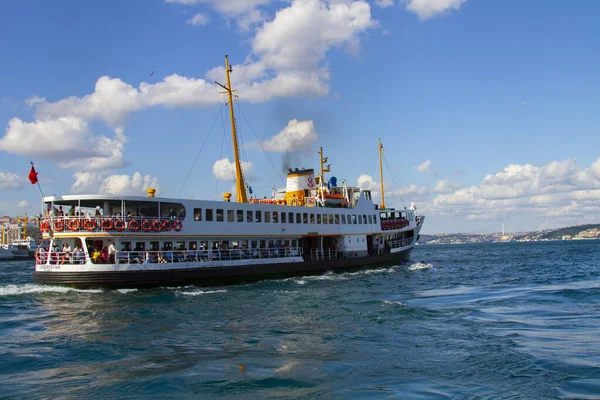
(39, 188)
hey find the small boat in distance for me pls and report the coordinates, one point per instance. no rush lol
(136, 241)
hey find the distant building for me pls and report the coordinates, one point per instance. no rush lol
(5, 220)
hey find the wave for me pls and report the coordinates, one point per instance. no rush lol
(419, 265)
(125, 291)
(17, 290)
(200, 292)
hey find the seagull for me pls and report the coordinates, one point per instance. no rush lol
(151, 74)
(523, 103)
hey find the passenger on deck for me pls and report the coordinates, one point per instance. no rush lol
(98, 213)
(96, 256)
(60, 213)
(111, 253)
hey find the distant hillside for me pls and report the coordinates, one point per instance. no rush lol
(569, 231)
(579, 232)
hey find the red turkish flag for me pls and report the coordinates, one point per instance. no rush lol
(33, 176)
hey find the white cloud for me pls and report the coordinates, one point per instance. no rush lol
(23, 204)
(65, 140)
(296, 136)
(426, 9)
(198, 19)
(245, 12)
(103, 183)
(384, 3)
(425, 168)
(366, 182)
(10, 180)
(224, 169)
(554, 194)
(288, 59)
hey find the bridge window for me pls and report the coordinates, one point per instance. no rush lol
(318, 218)
(283, 217)
(298, 218)
(305, 218)
(197, 214)
(267, 216)
(337, 218)
(239, 215)
(275, 217)
(291, 218)
(258, 216)
(229, 215)
(209, 214)
(312, 218)
(219, 215)
(343, 219)
(248, 216)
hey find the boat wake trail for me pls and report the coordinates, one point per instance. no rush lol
(200, 292)
(420, 265)
(17, 290)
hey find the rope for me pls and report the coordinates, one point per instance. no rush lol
(200, 151)
(261, 146)
(394, 180)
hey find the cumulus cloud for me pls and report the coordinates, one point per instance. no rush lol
(23, 204)
(224, 169)
(560, 190)
(287, 59)
(198, 19)
(296, 136)
(10, 180)
(425, 168)
(426, 9)
(103, 183)
(245, 12)
(384, 3)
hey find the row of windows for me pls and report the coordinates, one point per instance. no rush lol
(221, 215)
(207, 244)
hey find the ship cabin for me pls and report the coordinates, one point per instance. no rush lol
(164, 230)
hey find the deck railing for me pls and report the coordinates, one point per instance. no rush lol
(393, 244)
(166, 256)
(322, 254)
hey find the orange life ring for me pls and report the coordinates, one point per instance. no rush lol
(119, 225)
(89, 225)
(177, 225)
(59, 225)
(134, 225)
(106, 224)
(157, 226)
(73, 225)
(44, 226)
(146, 225)
(166, 225)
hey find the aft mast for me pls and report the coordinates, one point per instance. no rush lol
(381, 174)
(240, 185)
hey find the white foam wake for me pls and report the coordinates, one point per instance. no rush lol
(125, 291)
(417, 266)
(201, 292)
(17, 290)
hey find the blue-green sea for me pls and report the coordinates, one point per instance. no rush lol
(485, 321)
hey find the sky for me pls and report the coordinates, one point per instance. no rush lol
(487, 110)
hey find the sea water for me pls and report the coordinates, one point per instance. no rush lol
(504, 320)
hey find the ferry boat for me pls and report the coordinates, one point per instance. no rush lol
(139, 241)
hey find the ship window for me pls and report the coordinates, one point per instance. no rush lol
(254, 244)
(180, 245)
(382, 216)
(318, 218)
(204, 245)
(125, 246)
(219, 215)
(193, 245)
(294, 243)
(291, 218)
(248, 216)
(283, 217)
(258, 216)
(324, 218)
(154, 246)
(298, 218)
(140, 246)
(267, 216)
(275, 217)
(359, 219)
(343, 219)
(239, 215)
(312, 218)
(172, 210)
(354, 218)
(305, 218)
(337, 218)
(197, 214)
(229, 215)
(209, 214)
(374, 218)
(364, 218)
(262, 244)
(167, 246)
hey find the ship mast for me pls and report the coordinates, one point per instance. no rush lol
(240, 185)
(381, 174)
(322, 161)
